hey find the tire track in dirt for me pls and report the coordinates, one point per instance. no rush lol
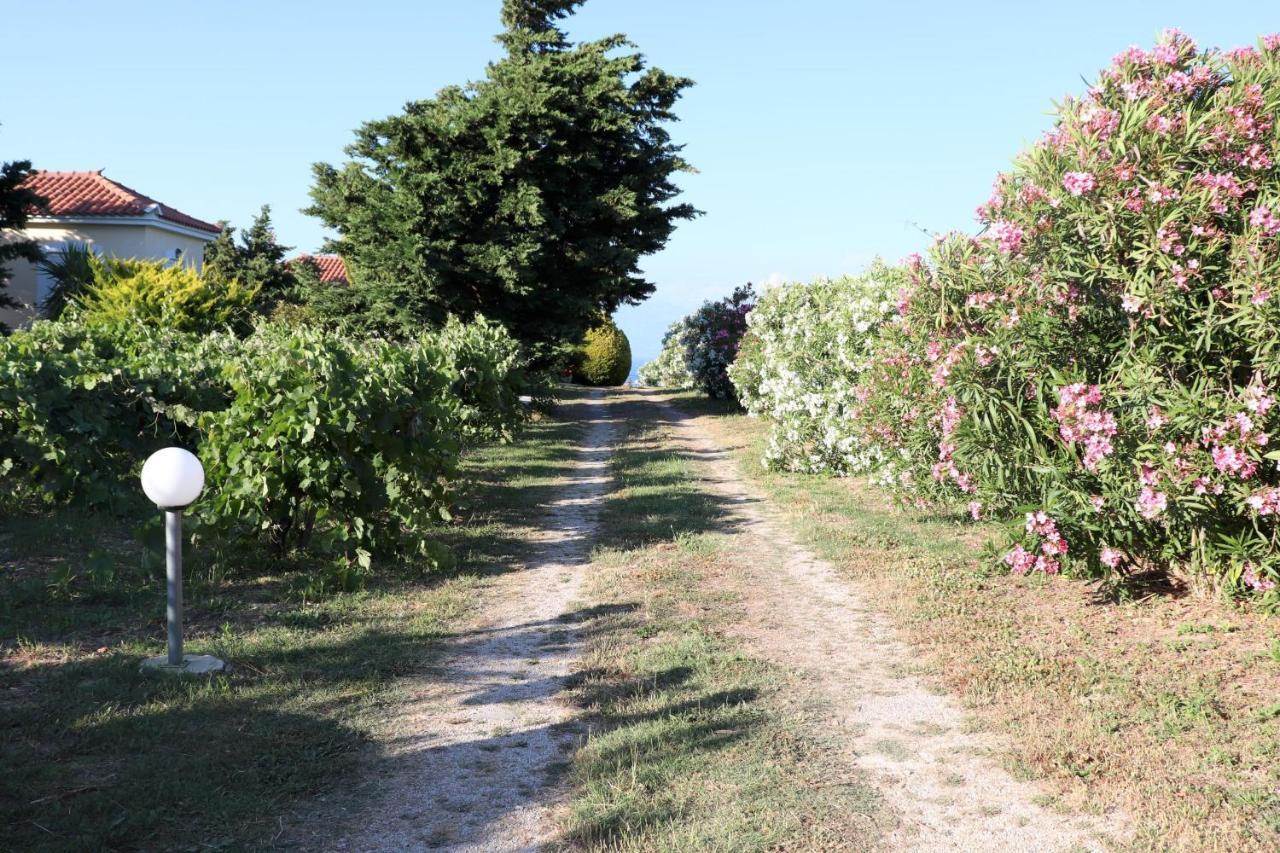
(476, 758)
(941, 779)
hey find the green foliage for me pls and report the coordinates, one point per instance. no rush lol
(16, 204)
(605, 358)
(490, 378)
(157, 293)
(353, 440)
(528, 196)
(310, 439)
(81, 406)
(71, 270)
(256, 262)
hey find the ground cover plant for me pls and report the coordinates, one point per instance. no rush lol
(1100, 361)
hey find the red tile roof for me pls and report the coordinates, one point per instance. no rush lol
(93, 194)
(333, 270)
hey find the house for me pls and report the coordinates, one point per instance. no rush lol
(333, 270)
(89, 207)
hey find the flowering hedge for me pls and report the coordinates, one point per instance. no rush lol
(1101, 360)
(801, 366)
(703, 345)
(669, 369)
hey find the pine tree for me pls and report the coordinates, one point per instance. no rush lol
(16, 206)
(256, 261)
(528, 196)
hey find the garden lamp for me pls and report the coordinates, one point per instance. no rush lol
(172, 478)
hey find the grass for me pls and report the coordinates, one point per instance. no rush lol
(696, 745)
(1163, 707)
(98, 756)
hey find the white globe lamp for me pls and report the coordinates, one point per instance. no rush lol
(172, 479)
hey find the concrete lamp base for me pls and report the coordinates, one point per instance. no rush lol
(191, 665)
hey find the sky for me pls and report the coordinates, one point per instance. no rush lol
(825, 132)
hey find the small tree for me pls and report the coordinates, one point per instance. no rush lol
(17, 202)
(257, 262)
(528, 196)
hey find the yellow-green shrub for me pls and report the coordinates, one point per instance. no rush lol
(157, 293)
(606, 356)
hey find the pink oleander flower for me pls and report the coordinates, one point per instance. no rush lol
(1251, 579)
(1265, 501)
(1079, 421)
(1079, 183)
(1257, 400)
(951, 414)
(1007, 235)
(1097, 501)
(1110, 557)
(980, 300)
(975, 510)
(1131, 304)
(1263, 219)
(1162, 125)
(1155, 418)
(1271, 42)
(1020, 560)
(1151, 503)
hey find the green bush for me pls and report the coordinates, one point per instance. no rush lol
(351, 443)
(490, 378)
(605, 357)
(310, 439)
(81, 406)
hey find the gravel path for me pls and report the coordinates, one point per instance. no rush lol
(478, 758)
(947, 790)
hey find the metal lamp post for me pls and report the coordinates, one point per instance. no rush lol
(172, 478)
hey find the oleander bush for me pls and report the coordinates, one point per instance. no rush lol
(711, 338)
(670, 368)
(801, 363)
(605, 356)
(1101, 360)
(311, 439)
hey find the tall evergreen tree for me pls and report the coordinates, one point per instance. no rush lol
(16, 206)
(256, 261)
(529, 196)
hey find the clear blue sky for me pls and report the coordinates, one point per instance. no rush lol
(825, 131)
